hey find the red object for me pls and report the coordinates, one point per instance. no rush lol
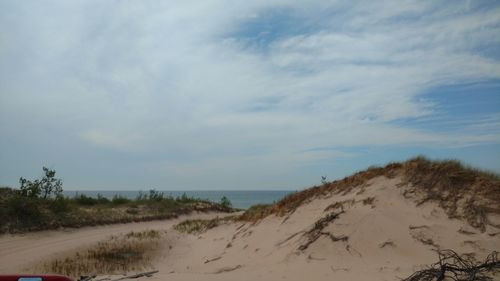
(34, 277)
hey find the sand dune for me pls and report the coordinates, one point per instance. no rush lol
(378, 234)
(375, 229)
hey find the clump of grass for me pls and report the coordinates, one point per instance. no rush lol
(462, 191)
(119, 254)
(120, 200)
(199, 226)
(256, 212)
(368, 201)
(84, 200)
(147, 234)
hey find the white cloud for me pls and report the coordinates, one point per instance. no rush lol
(156, 77)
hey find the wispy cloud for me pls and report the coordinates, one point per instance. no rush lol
(202, 88)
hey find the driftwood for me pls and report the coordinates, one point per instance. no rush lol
(452, 266)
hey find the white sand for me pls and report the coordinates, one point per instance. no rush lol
(387, 240)
(260, 252)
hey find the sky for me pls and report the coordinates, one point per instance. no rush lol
(217, 95)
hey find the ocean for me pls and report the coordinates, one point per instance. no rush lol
(241, 199)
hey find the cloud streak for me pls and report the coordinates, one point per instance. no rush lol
(196, 90)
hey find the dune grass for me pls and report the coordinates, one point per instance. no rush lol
(133, 251)
(463, 192)
(198, 226)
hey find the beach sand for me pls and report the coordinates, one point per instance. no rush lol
(372, 232)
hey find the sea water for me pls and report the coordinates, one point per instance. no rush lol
(241, 199)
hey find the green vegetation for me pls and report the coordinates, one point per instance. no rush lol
(39, 205)
(224, 201)
(130, 252)
(44, 187)
(256, 212)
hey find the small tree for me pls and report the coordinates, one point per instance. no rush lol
(224, 201)
(44, 187)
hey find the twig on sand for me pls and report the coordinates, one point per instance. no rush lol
(228, 269)
(211, 260)
(147, 274)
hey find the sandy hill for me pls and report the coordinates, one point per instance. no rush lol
(381, 224)
(385, 223)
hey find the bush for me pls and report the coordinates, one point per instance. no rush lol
(155, 195)
(101, 199)
(184, 198)
(60, 205)
(152, 195)
(120, 200)
(47, 186)
(85, 200)
(24, 210)
(224, 201)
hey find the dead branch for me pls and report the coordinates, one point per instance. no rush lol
(452, 266)
(148, 274)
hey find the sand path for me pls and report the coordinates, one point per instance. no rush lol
(19, 250)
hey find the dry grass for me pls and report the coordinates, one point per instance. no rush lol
(119, 254)
(318, 230)
(256, 212)
(294, 200)
(200, 226)
(463, 192)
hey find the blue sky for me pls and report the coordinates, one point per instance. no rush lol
(130, 95)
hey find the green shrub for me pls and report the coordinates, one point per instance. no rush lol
(155, 195)
(120, 200)
(224, 201)
(152, 195)
(184, 198)
(24, 210)
(45, 187)
(101, 199)
(60, 205)
(85, 200)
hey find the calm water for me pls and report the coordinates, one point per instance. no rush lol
(240, 198)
